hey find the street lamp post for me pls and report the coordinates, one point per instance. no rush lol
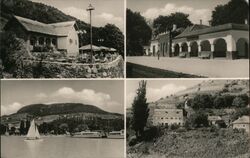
(90, 8)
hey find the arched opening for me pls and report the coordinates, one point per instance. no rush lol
(205, 46)
(176, 50)
(41, 41)
(194, 49)
(242, 48)
(54, 42)
(184, 47)
(48, 41)
(220, 48)
(32, 40)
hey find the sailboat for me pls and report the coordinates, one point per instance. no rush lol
(33, 133)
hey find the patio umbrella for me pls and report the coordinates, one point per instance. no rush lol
(112, 49)
(87, 47)
(104, 48)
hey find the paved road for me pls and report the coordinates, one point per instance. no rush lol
(213, 68)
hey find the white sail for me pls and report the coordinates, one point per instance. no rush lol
(37, 132)
(33, 132)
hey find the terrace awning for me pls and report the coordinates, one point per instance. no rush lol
(87, 47)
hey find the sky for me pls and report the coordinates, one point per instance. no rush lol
(197, 9)
(105, 94)
(157, 89)
(106, 11)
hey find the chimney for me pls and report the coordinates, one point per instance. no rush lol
(200, 22)
(174, 27)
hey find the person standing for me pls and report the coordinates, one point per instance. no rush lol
(158, 54)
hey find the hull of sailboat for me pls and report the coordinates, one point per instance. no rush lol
(86, 136)
(116, 136)
(35, 139)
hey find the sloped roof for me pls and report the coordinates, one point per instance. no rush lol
(243, 119)
(203, 29)
(56, 29)
(214, 118)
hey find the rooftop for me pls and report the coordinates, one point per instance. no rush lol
(203, 29)
(244, 119)
(56, 29)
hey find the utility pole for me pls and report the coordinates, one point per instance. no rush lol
(90, 8)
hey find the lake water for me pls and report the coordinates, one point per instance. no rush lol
(61, 147)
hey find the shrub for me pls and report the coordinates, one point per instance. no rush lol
(132, 141)
(174, 126)
(238, 102)
(151, 133)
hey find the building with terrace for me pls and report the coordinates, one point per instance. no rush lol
(62, 36)
(229, 41)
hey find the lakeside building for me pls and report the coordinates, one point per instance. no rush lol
(168, 117)
(242, 123)
(230, 41)
(62, 36)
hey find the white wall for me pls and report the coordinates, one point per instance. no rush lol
(62, 43)
(73, 46)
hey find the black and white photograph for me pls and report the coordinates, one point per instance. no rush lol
(62, 39)
(62, 119)
(187, 118)
(187, 39)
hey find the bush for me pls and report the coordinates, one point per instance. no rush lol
(174, 126)
(132, 141)
(151, 133)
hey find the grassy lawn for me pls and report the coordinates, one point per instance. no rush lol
(139, 71)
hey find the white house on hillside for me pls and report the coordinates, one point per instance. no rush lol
(62, 36)
(242, 123)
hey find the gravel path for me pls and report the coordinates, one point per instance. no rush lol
(213, 68)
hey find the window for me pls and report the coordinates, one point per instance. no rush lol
(166, 112)
(177, 112)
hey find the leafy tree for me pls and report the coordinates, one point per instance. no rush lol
(2, 129)
(12, 52)
(235, 11)
(228, 100)
(202, 101)
(138, 33)
(238, 102)
(198, 119)
(140, 111)
(164, 23)
(219, 102)
(22, 129)
(112, 37)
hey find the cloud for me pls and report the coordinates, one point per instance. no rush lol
(9, 109)
(69, 95)
(194, 14)
(154, 94)
(41, 95)
(97, 19)
(76, 12)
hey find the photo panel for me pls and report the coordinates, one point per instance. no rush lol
(62, 118)
(187, 39)
(187, 118)
(62, 39)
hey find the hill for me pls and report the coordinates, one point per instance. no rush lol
(61, 108)
(213, 87)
